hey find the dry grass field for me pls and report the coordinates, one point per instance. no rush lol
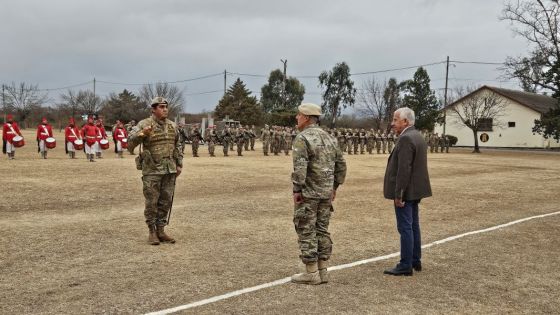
(74, 240)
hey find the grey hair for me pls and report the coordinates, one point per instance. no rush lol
(406, 113)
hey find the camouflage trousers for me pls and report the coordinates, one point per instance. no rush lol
(158, 192)
(240, 144)
(311, 221)
(252, 141)
(226, 147)
(195, 148)
(211, 148)
(266, 144)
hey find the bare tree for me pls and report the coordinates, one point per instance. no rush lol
(479, 110)
(171, 92)
(537, 22)
(80, 103)
(371, 101)
(23, 98)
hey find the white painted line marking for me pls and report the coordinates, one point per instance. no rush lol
(339, 267)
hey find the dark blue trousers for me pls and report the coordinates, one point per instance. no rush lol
(408, 226)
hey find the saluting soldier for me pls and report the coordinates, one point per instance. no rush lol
(319, 169)
(161, 162)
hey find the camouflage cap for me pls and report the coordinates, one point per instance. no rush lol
(159, 100)
(310, 109)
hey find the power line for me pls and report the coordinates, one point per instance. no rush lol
(164, 82)
(200, 93)
(67, 87)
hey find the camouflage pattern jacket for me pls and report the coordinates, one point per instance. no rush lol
(318, 163)
(162, 149)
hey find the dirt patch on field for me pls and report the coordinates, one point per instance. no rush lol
(75, 242)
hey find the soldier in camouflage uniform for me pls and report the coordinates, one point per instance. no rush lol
(128, 126)
(276, 137)
(378, 141)
(370, 140)
(362, 137)
(226, 140)
(161, 162)
(195, 138)
(349, 137)
(240, 140)
(384, 141)
(253, 134)
(246, 138)
(211, 138)
(341, 140)
(319, 168)
(447, 144)
(288, 139)
(390, 141)
(265, 138)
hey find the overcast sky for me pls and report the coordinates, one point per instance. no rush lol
(66, 42)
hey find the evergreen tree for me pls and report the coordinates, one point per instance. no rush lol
(421, 99)
(125, 107)
(238, 104)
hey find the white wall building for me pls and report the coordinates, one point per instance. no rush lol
(516, 123)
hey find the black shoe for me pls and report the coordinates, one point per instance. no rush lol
(397, 271)
(417, 267)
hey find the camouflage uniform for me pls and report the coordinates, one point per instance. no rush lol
(226, 140)
(195, 138)
(211, 139)
(246, 138)
(384, 142)
(240, 140)
(348, 137)
(356, 140)
(363, 140)
(342, 140)
(288, 139)
(378, 141)
(253, 135)
(128, 127)
(162, 154)
(276, 137)
(318, 168)
(390, 141)
(265, 137)
(370, 140)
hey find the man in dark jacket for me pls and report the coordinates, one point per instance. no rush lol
(406, 183)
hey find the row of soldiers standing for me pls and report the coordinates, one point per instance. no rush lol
(437, 143)
(354, 140)
(276, 139)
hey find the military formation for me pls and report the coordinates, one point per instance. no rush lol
(437, 143)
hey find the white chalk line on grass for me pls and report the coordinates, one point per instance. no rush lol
(339, 267)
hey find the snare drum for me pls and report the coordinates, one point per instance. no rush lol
(104, 144)
(18, 141)
(78, 144)
(124, 143)
(50, 143)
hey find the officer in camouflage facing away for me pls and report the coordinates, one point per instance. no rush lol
(161, 161)
(319, 168)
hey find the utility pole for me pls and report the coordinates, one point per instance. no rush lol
(225, 81)
(445, 95)
(284, 83)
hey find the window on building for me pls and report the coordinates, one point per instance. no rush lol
(485, 124)
(511, 124)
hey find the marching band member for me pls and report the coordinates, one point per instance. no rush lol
(101, 135)
(9, 131)
(71, 134)
(89, 133)
(44, 131)
(119, 136)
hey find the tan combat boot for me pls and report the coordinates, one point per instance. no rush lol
(164, 238)
(153, 238)
(311, 276)
(323, 273)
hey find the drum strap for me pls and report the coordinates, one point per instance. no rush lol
(72, 130)
(46, 133)
(12, 129)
